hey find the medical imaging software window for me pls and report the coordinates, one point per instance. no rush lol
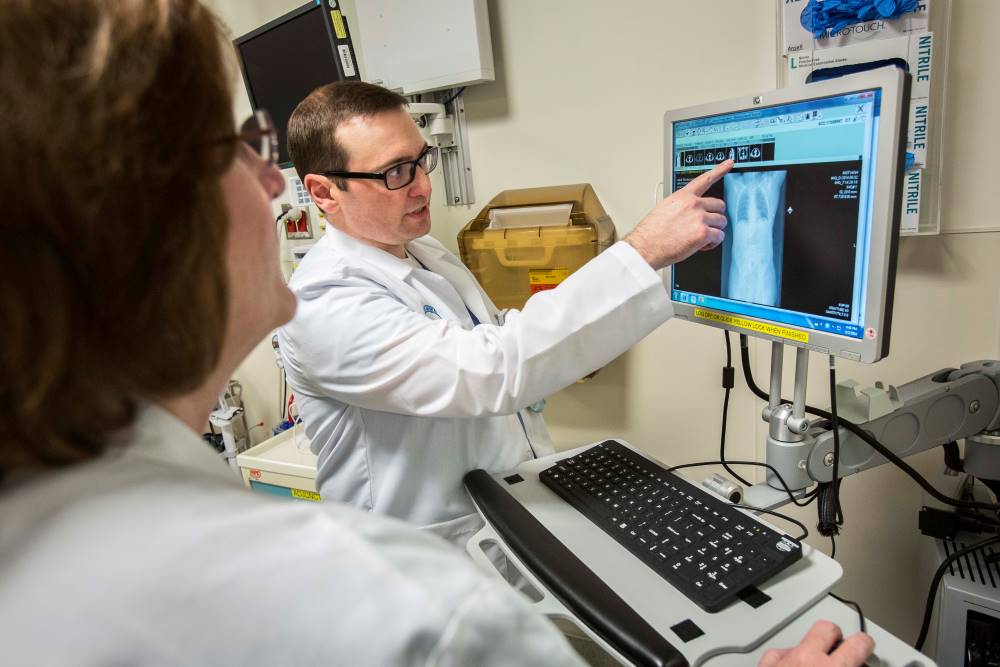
(798, 202)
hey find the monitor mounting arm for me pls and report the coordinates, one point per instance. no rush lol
(945, 406)
(450, 134)
(942, 407)
(439, 123)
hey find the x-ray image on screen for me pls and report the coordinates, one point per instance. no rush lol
(790, 239)
(752, 251)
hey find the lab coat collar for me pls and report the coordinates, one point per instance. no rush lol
(426, 252)
(442, 262)
(352, 247)
(158, 435)
(432, 254)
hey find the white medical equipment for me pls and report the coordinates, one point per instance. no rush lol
(282, 465)
(230, 418)
(814, 219)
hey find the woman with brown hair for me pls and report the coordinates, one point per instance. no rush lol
(138, 268)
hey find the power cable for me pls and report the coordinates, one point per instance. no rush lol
(728, 382)
(857, 607)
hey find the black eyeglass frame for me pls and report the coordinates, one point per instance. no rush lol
(261, 140)
(384, 175)
(264, 136)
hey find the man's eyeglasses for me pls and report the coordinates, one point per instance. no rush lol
(398, 175)
(259, 134)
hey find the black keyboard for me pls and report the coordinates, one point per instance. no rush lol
(703, 546)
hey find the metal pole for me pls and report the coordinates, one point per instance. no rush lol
(777, 359)
(801, 372)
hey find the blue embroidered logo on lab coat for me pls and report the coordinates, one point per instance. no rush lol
(431, 313)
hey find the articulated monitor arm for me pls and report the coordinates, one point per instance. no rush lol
(946, 406)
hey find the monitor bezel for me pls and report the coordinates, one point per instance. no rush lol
(886, 207)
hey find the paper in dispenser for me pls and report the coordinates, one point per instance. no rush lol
(549, 215)
(530, 239)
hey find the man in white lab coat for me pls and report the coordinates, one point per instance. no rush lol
(406, 374)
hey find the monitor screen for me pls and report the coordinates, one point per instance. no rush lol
(285, 60)
(812, 205)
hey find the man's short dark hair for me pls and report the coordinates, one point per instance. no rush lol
(312, 143)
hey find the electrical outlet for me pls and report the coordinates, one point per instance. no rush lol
(297, 224)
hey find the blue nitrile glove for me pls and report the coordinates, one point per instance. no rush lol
(835, 15)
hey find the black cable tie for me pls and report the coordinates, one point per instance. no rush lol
(728, 377)
(952, 457)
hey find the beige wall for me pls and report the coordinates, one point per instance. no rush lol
(580, 92)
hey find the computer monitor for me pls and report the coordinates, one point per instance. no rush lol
(813, 205)
(286, 59)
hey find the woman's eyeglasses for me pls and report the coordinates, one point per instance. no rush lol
(258, 133)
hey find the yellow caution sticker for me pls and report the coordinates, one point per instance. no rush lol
(338, 23)
(306, 495)
(752, 325)
(540, 280)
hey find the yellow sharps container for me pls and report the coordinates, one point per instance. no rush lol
(529, 240)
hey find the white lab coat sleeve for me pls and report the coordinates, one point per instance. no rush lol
(356, 342)
(493, 629)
